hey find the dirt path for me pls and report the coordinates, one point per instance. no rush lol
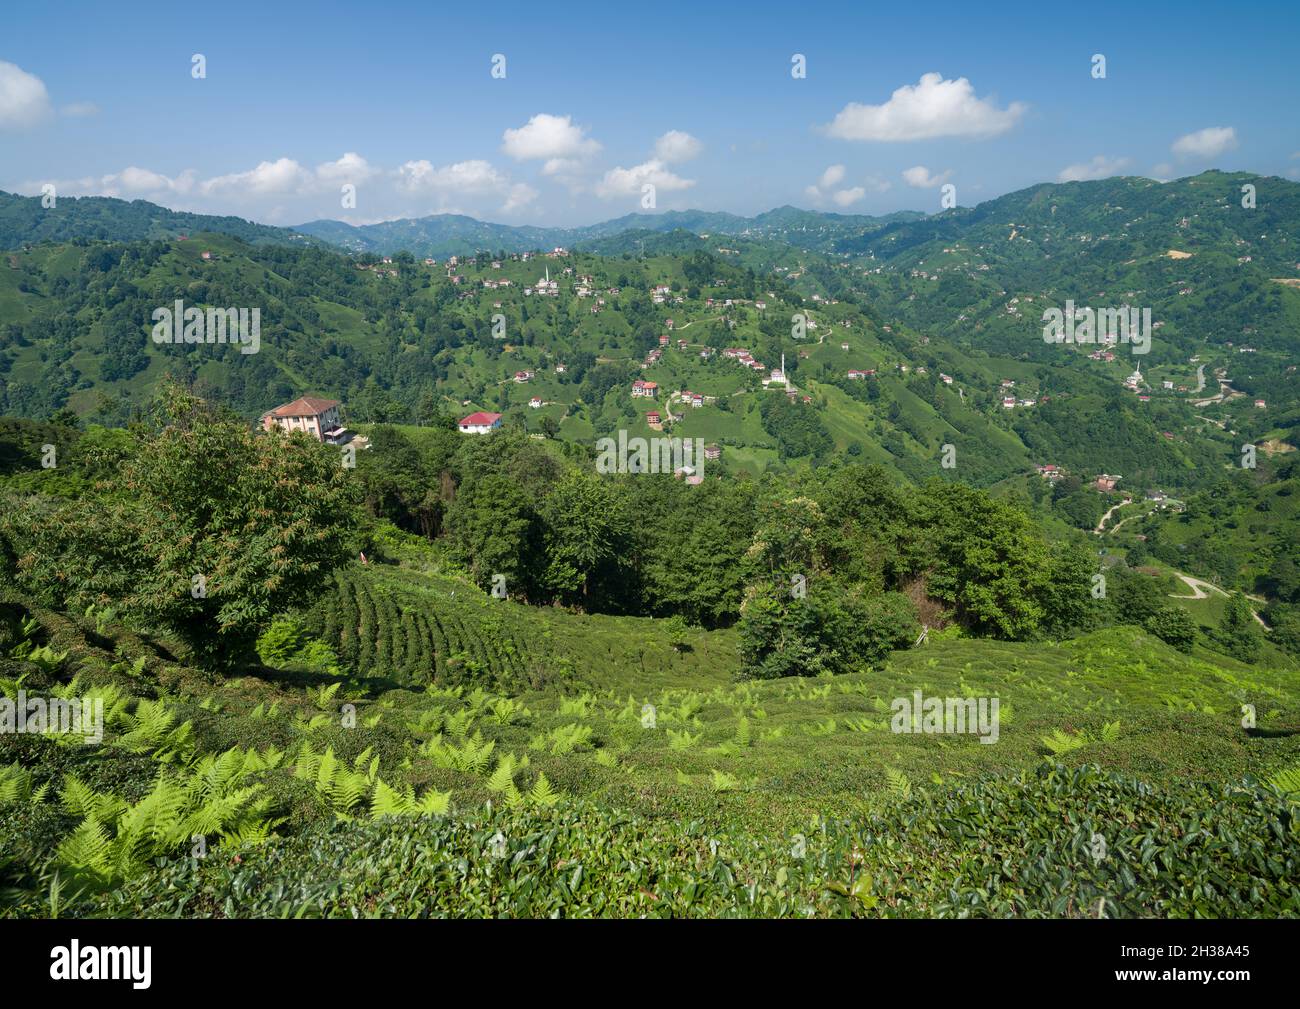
(1198, 587)
(1110, 512)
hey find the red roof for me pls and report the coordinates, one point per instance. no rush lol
(307, 406)
(476, 419)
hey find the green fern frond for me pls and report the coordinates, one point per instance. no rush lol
(899, 786)
(87, 850)
(542, 794)
(1287, 780)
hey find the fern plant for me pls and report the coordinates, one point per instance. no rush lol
(1061, 742)
(898, 785)
(116, 839)
(1287, 781)
(682, 740)
(542, 794)
(389, 801)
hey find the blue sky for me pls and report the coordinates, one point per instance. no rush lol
(599, 100)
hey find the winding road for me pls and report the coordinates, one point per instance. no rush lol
(1198, 587)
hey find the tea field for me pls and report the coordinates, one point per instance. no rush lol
(497, 759)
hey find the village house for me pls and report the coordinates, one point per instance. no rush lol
(535, 402)
(649, 390)
(654, 419)
(311, 415)
(663, 340)
(523, 376)
(1008, 402)
(479, 423)
(712, 452)
(1106, 482)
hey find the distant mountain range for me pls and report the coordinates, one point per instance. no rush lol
(448, 234)
(23, 220)
(1032, 227)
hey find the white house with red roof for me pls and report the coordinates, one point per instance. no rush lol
(479, 423)
(647, 389)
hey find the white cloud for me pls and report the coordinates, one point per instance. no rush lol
(628, 181)
(1207, 143)
(282, 176)
(831, 178)
(352, 167)
(142, 180)
(521, 194)
(79, 110)
(824, 188)
(462, 177)
(919, 177)
(547, 137)
(933, 107)
(675, 147)
(1100, 167)
(23, 98)
(130, 183)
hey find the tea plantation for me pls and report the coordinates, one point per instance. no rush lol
(497, 759)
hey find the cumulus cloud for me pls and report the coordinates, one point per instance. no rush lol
(1207, 143)
(933, 107)
(1100, 167)
(280, 177)
(831, 178)
(131, 183)
(462, 177)
(520, 195)
(628, 181)
(919, 177)
(675, 147)
(23, 99)
(545, 138)
(352, 167)
(824, 187)
(282, 188)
